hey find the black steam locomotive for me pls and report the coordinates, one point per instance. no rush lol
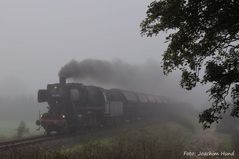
(74, 105)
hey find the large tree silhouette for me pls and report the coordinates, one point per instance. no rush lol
(205, 36)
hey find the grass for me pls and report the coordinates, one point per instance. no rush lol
(150, 142)
(153, 141)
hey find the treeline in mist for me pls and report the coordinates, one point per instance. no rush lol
(17, 108)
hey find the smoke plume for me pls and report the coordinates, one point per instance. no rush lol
(147, 77)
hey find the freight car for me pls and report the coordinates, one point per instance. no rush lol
(73, 105)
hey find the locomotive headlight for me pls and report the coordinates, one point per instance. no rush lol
(63, 116)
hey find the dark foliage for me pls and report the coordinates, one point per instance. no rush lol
(205, 36)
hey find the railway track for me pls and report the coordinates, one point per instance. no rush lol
(7, 145)
(36, 140)
(27, 141)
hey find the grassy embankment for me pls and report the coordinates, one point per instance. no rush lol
(154, 141)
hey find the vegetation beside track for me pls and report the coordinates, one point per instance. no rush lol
(153, 141)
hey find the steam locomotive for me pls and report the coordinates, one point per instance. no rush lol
(72, 106)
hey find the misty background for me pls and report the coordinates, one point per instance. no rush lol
(39, 37)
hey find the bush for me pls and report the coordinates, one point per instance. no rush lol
(22, 130)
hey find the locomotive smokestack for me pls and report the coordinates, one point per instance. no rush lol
(62, 80)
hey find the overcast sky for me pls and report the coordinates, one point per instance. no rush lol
(38, 37)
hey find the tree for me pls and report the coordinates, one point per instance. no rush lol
(22, 129)
(204, 45)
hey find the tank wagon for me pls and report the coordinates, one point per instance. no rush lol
(72, 106)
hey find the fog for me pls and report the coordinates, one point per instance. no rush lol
(39, 37)
(99, 43)
(147, 77)
(116, 73)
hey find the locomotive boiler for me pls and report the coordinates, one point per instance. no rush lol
(73, 106)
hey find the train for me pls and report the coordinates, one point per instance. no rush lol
(73, 106)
